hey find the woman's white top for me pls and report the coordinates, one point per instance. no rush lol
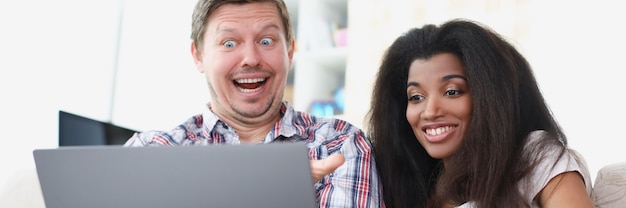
(550, 166)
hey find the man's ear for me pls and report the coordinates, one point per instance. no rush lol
(290, 52)
(197, 57)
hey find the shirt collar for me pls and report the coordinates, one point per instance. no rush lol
(286, 126)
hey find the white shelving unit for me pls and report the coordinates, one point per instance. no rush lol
(320, 61)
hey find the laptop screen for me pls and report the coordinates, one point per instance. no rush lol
(76, 130)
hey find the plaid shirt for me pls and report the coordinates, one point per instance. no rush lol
(354, 184)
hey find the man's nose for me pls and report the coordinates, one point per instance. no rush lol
(251, 56)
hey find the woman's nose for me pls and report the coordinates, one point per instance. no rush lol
(432, 109)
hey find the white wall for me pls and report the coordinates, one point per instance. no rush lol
(157, 85)
(577, 50)
(53, 55)
(62, 55)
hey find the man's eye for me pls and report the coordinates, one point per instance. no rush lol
(266, 41)
(229, 44)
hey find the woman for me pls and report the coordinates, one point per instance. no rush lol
(459, 121)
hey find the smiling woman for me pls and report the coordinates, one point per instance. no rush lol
(544, 38)
(437, 87)
(460, 122)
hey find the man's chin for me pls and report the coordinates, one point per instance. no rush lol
(252, 111)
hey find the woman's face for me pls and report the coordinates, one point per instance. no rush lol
(440, 104)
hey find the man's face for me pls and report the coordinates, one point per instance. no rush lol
(245, 58)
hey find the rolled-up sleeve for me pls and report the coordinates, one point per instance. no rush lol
(356, 182)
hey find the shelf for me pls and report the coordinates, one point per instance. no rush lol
(319, 65)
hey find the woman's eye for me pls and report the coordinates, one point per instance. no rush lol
(453, 92)
(416, 98)
(266, 41)
(229, 44)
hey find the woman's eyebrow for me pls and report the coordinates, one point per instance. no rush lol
(414, 84)
(452, 76)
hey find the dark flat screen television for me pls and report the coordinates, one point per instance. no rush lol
(76, 130)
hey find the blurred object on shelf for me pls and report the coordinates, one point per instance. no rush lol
(340, 37)
(323, 108)
(339, 99)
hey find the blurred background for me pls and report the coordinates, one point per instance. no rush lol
(127, 63)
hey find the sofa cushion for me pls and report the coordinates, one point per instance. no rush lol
(609, 189)
(22, 190)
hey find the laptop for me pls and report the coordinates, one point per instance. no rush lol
(240, 176)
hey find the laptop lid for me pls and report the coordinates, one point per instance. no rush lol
(263, 175)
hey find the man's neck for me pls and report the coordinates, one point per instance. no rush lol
(255, 133)
(250, 130)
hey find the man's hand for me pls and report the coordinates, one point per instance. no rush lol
(321, 168)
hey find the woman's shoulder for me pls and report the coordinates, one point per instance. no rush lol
(550, 157)
(547, 152)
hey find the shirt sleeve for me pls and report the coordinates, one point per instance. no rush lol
(134, 141)
(150, 138)
(356, 182)
(550, 165)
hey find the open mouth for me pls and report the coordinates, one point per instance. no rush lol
(250, 84)
(438, 130)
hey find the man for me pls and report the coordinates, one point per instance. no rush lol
(245, 50)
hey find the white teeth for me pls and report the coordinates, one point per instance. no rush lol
(248, 90)
(253, 80)
(249, 81)
(438, 131)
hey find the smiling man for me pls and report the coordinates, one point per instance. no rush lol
(245, 50)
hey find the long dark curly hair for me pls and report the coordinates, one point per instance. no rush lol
(507, 106)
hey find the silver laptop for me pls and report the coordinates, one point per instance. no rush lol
(262, 175)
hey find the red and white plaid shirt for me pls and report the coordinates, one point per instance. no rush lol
(354, 184)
